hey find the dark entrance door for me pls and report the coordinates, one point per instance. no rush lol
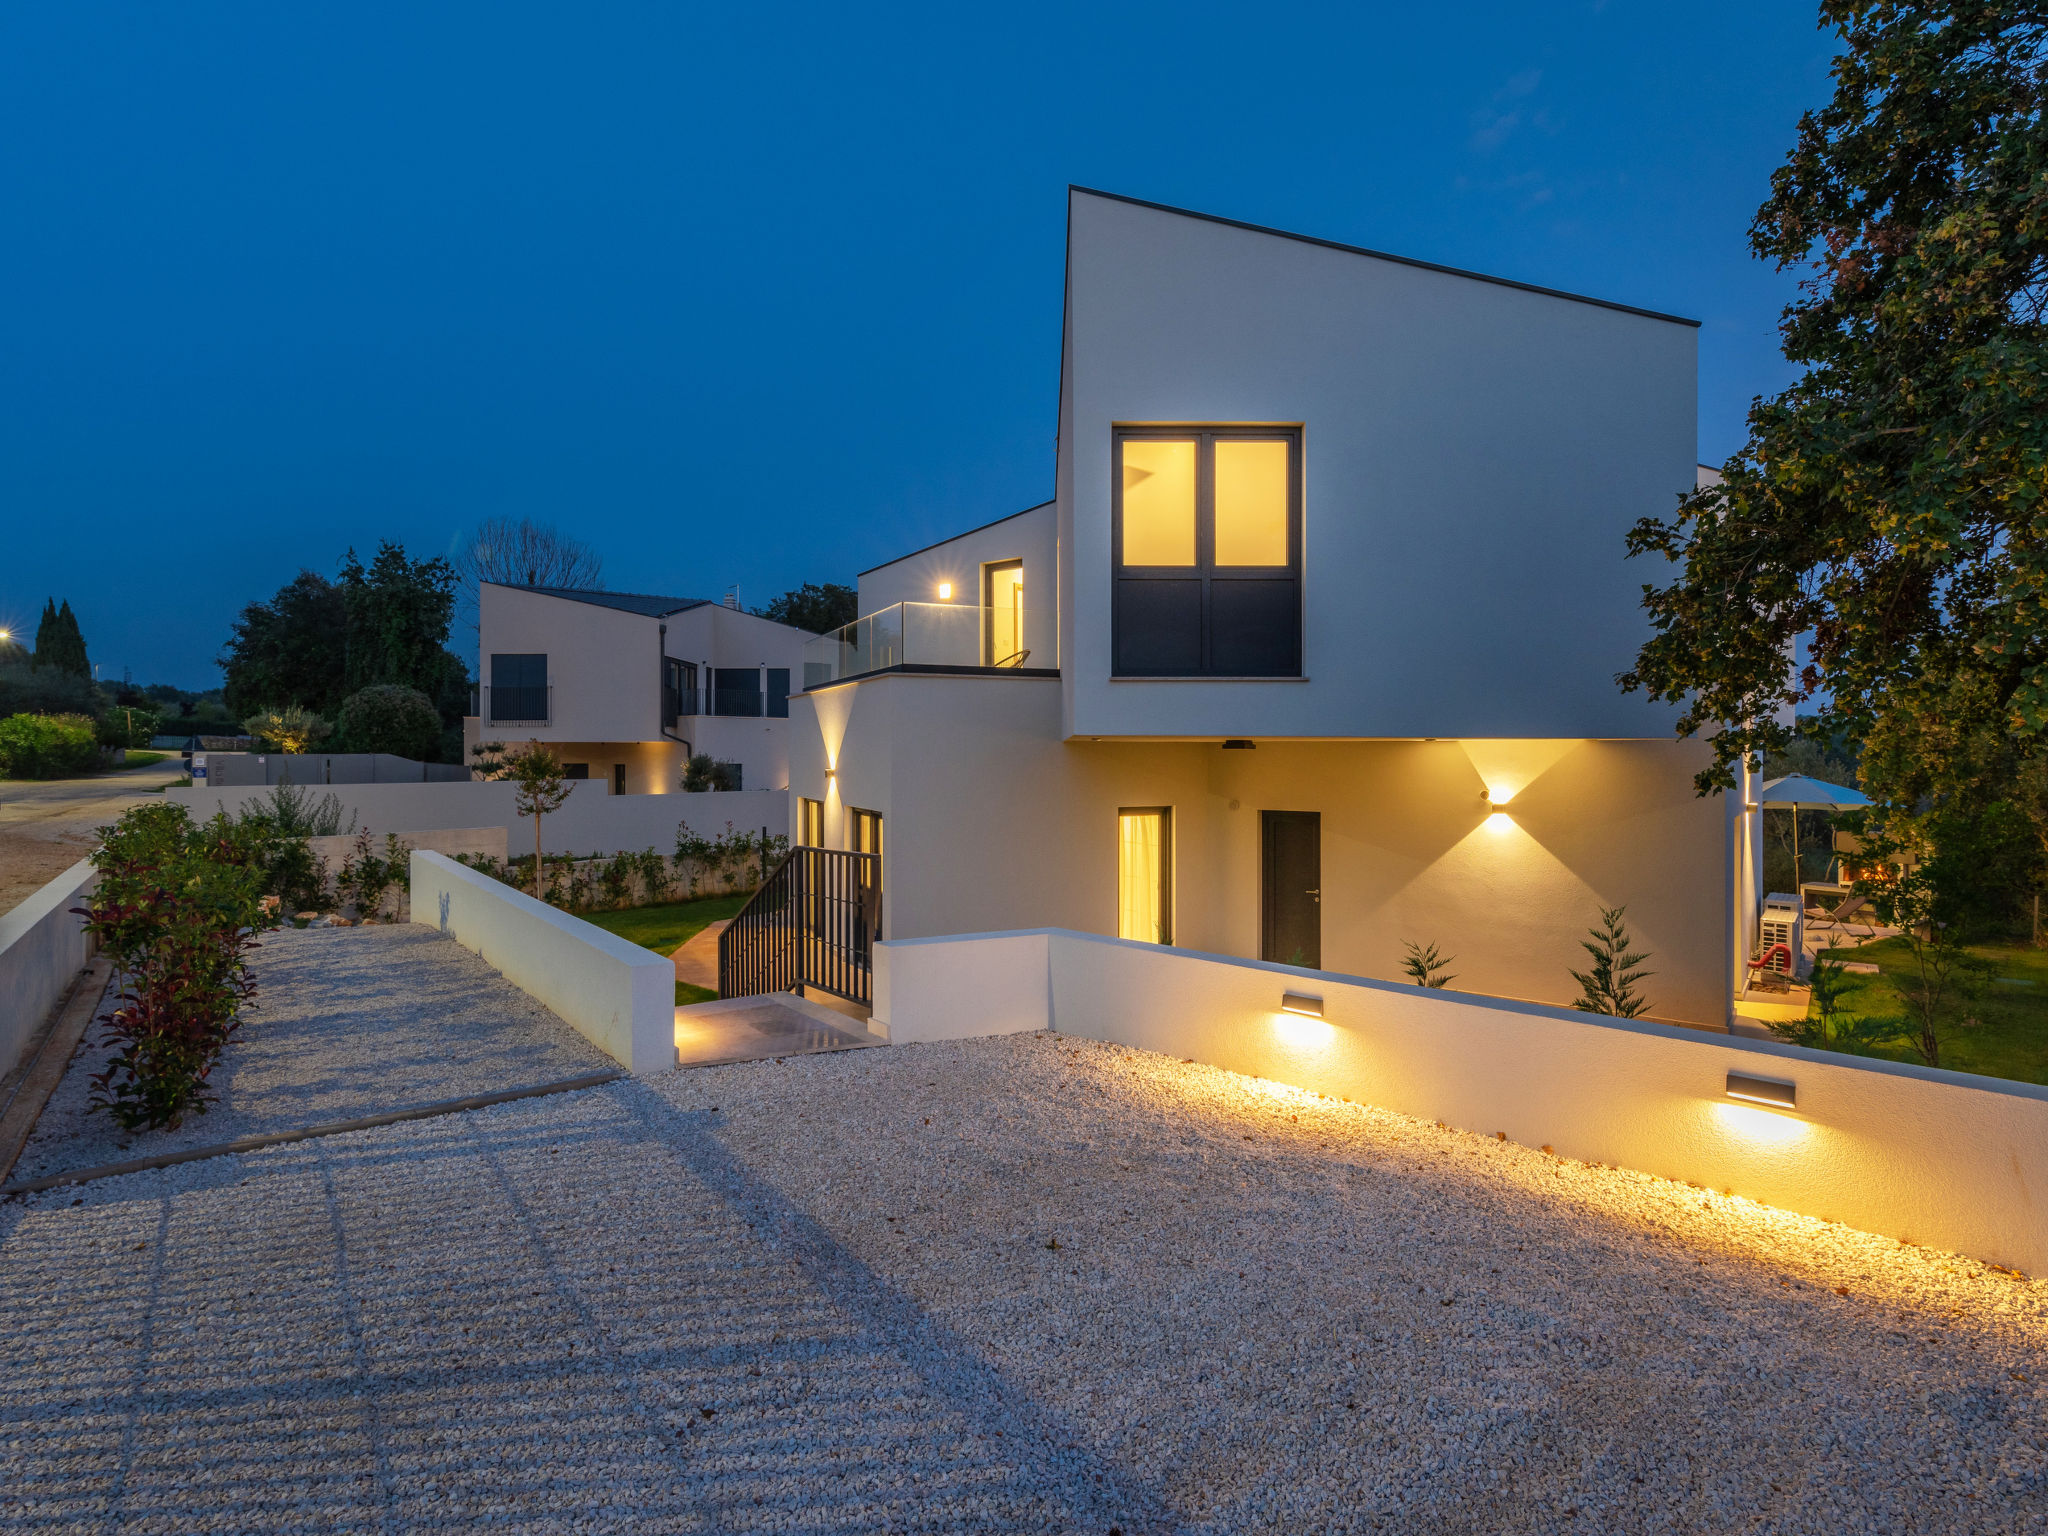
(1291, 887)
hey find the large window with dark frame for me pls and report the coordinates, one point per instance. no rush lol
(1206, 531)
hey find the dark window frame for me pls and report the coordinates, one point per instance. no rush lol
(1205, 571)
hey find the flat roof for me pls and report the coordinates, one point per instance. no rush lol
(1406, 261)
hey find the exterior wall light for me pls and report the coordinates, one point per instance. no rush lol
(831, 773)
(1301, 1003)
(945, 591)
(1762, 1090)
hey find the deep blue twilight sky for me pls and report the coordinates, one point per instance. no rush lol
(745, 294)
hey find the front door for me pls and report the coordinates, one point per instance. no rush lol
(1291, 888)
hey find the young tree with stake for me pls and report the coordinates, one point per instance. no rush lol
(542, 788)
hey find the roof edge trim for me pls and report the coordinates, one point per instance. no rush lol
(951, 538)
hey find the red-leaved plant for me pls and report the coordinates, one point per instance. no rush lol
(176, 908)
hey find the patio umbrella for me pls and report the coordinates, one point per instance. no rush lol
(1797, 792)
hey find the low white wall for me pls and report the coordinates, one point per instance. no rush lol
(1941, 1158)
(620, 996)
(591, 821)
(43, 947)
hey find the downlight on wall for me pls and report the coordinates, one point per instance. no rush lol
(1302, 1003)
(1773, 1091)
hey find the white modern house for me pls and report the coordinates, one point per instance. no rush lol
(1313, 652)
(626, 687)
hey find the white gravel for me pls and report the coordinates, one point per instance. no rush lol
(1265, 1312)
(346, 1022)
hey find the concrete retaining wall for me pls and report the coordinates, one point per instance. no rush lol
(43, 947)
(618, 995)
(231, 770)
(591, 821)
(1941, 1158)
(330, 853)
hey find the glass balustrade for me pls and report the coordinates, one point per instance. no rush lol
(939, 637)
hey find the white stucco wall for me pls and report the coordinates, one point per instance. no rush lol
(590, 821)
(617, 995)
(1938, 1158)
(1031, 536)
(43, 947)
(992, 821)
(1474, 454)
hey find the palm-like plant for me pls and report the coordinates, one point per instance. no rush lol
(1610, 985)
(1426, 967)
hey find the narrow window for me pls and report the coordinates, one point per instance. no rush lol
(810, 823)
(1002, 606)
(864, 831)
(678, 690)
(618, 778)
(778, 693)
(1208, 552)
(1144, 875)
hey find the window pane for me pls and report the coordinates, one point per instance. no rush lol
(1141, 874)
(1159, 502)
(1251, 502)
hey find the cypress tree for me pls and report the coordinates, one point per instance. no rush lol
(59, 643)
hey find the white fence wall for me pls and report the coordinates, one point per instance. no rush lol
(592, 820)
(1941, 1158)
(43, 947)
(618, 995)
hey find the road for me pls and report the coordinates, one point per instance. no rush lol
(47, 826)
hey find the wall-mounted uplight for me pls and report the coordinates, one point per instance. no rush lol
(1498, 817)
(831, 773)
(1762, 1090)
(1301, 1003)
(945, 591)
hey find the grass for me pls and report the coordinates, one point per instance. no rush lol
(666, 928)
(2011, 1037)
(145, 759)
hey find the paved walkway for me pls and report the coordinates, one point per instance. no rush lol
(696, 958)
(1027, 1284)
(47, 826)
(348, 1022)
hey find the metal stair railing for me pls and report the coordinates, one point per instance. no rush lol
(813, 923)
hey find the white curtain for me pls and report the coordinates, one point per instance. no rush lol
(1140, 869)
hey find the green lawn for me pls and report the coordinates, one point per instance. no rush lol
(145, 759)
(666, 928)
(2011, 1039)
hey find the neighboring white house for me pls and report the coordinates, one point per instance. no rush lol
(626, 686)
(1314, 652)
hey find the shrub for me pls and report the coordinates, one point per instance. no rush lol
(702, 775)
(277, 827)
(125, 725)
(366, 876)
(1426, 967)
(48, 746)
(177, 908)
(290, 729)
(389, 718)
(1610, 986)
(26, 689)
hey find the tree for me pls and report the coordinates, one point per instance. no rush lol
(59, 644)
(1885, 505)
(702, 774)
(522, 553)
(819, 609)
(1610, 986)
(26, 689)
(292, 648)
(288, 728)
(542, 788)
(398, 611)
(387, 718)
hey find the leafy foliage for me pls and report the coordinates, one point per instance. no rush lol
(1426, 968)
(1924, 880)
(26, 689)
(817, 608)
(177, 906)
(126, 725)
(543, 789)
(290, 647)
(275, 830)
(48, 746)
(702, 775)
(1887, 503)
(1610, 985)
(59, 644)
(386, 717)
(367, 876)
(288, 729)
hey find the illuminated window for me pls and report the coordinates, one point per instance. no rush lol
(1144, 875)
(1208, 552)
(1251, 501)
(1159, 501)
(810, 823)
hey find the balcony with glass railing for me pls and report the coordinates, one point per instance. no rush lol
(925, 637)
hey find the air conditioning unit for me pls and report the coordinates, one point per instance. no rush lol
(1783, 924)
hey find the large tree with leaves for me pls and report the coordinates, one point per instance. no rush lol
(1890, 505)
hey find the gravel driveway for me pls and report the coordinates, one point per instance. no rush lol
(348, 1022)
(1027, 1284)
